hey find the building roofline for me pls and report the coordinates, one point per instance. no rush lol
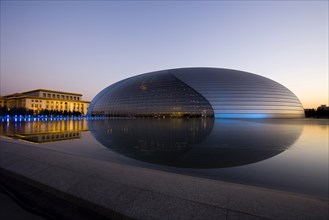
(14, 95)
(23, 96)
(55, 91)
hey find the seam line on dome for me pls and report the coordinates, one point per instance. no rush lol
(193, 90)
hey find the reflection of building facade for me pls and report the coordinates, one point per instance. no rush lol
(54, 127)
(50, 137)
(45, 131)
(197, 92)
(42, 99)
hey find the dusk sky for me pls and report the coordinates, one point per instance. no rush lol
(84, 46)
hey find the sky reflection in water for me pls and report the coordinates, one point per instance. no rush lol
(283, 154)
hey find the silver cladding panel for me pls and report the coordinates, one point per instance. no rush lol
(238, 94)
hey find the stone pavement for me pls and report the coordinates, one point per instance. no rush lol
(10, 210)
(70, 186)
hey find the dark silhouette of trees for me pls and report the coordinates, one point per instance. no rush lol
(23, 111)
(3, 111)
(316, 113)
(15, 111)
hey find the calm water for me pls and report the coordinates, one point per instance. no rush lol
(282, 154)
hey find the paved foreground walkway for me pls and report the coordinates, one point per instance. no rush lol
(10, 210)
(74, 187)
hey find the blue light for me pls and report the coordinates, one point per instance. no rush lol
(241, 116)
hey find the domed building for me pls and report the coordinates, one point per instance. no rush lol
(197, 92)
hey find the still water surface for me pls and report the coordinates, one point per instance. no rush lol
(282, 154)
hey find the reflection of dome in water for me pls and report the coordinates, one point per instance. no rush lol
(195, 143)
(197, 92)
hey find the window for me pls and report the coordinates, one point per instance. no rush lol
(53, 95)
(32, 100)
(32, 105)
(78, 98)
(48, 95)
(58, 96)
(62, 96)
(44, 95)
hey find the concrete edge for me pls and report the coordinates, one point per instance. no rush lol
(52, 203)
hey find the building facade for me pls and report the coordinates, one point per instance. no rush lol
(42, 99)
(197, 92)
(3, 101)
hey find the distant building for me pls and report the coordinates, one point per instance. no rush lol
(43, 99)
(323, 107)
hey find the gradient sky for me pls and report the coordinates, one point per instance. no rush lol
(84, 46)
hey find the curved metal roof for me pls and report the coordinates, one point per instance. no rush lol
(201, 92)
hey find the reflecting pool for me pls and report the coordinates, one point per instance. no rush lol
(282, 154)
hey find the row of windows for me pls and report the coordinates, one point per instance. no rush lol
(60, 136)
(52, 107)
(68, 97)
(78, 104)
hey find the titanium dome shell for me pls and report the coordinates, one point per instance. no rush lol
(197, 92)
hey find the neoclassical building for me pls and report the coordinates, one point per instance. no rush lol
(42, 99)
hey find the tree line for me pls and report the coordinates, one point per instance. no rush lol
(316, 113)
(24, 111)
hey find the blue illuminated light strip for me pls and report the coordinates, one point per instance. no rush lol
(242, 116)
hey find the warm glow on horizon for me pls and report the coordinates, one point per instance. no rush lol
(314, 104)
